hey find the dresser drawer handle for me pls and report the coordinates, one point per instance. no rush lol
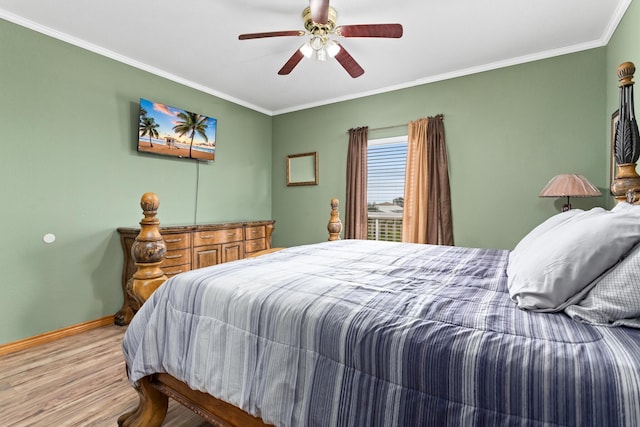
(172, 272)
(255, 231)
(173, 240)
(173, 256)
(207, 237)
(231, 234)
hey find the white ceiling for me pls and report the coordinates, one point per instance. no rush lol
(195, 42)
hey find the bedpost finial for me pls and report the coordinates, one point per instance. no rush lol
(335, 225)
(149, 232)
(149, 202)
(625, 73)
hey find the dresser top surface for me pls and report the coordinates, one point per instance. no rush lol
(198, 227)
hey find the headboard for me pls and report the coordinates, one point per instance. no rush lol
(626, 185)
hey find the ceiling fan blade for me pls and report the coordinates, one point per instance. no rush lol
(270, 34)
(291, 63)
(319, 11)
(348, 63)
(392, 31)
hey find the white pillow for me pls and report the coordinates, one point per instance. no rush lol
(547, 226)
(623, 206)
(551, 268)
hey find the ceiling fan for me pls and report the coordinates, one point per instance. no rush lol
(320, 23)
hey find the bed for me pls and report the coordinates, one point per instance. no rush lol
(361, 333)
(375, 334)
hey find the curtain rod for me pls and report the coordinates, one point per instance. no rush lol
(439, 116)
(386, 127)
(389, 127)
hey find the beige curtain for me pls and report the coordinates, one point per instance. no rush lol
(355, 226)
(426, 215)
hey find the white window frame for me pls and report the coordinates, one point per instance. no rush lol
(373, 231)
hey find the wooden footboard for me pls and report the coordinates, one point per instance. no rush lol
(155, 390)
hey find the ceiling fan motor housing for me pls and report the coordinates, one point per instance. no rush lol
(318, 28)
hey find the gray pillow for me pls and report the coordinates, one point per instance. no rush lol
(552, 269)
(615, 298)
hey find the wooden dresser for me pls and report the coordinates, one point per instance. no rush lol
(196, 246)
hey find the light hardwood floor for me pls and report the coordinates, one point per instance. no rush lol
(75, 381)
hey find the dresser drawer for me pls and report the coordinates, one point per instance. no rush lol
(255, 245)
(176, 269)
(176, 257)
(251, 233)
(201, 238)
(177, 241)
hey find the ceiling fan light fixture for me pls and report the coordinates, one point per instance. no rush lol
(321, 54)
(332, 48)
(316, 43)
(306, 50)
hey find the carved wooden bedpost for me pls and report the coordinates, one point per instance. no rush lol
(334, 226)
(268, 232)
(151, 410)
(626, 139)
(148, 252)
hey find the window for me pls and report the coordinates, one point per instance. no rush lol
(386, 162)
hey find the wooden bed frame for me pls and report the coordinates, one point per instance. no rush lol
(155, 390)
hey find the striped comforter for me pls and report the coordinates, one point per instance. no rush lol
(361, 333)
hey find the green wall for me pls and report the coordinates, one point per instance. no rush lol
(69, 166)
(508, 132)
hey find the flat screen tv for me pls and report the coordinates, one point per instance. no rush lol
(175, 132)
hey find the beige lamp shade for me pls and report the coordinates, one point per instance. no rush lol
(569, 185)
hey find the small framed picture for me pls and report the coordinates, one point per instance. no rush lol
(302, 169)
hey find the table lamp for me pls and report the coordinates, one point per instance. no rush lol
(569, 185)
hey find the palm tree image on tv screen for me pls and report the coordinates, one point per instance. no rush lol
(172, 131)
